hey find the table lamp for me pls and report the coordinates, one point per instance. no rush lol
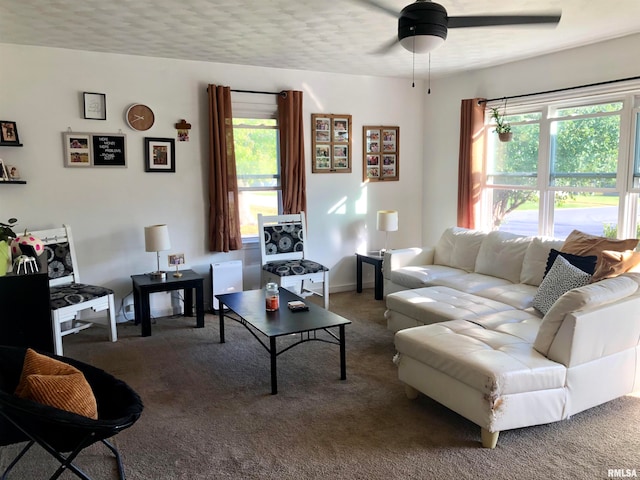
(156, 239)
(387, 222)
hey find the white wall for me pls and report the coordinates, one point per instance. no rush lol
(41, 89)
(611, 60)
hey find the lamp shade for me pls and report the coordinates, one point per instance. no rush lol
(421, 43)
(387, 220)
(156, 238)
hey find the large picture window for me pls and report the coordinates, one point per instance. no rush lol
(566, 168)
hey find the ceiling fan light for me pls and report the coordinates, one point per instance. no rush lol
(421, 43)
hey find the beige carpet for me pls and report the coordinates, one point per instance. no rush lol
(209, 414)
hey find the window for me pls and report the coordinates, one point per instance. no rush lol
(258, 171)
(566, 168)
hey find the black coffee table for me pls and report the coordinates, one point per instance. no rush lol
(249, 306)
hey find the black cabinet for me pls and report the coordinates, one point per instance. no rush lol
(25, 314)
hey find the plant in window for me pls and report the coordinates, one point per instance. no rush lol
(503, 129)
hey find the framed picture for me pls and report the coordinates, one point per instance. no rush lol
(176, 259)
(331, 143)
(13, 172)
(9, 133)
(109, 149)
(77, 149)
(95, 106)
(380, 153)
(4, 176)
(159, 155)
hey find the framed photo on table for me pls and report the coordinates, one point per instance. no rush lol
(380, 153)
(159, 154)
(331, 143)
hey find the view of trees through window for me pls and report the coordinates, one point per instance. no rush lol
(566, 168)
(258, 170)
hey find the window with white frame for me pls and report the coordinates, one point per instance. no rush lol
(566, 168)
(257, 169)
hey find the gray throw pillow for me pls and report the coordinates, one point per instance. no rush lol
(561, 278)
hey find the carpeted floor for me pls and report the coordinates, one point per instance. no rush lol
(209, 413)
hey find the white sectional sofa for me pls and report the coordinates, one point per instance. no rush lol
(468, 336)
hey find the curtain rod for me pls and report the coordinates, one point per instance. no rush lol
(560, 89)
(282, 93)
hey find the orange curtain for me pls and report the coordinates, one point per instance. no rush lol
(292, 162)
(224, 212)
(470, 161)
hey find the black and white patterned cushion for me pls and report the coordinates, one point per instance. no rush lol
(285, 268)
(283, 238)
(561, 278)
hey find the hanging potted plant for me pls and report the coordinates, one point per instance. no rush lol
(6, 235)
(503, 129)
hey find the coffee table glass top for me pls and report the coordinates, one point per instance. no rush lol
(250, 305)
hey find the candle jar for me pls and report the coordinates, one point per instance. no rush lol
(272, 297)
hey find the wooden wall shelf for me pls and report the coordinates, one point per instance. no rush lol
(20, 182)
(9, 144)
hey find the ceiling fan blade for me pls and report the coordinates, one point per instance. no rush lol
(502, 20)
(386, 47)
(379, 6)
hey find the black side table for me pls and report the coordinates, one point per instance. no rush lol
(375, 259)
(143, 285)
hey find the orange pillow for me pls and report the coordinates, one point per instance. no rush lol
(580, 243)
(57, 384)
(612, 264)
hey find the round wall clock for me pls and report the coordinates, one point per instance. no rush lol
(139, 117)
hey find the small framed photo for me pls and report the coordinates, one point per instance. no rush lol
(159, 155)
(13, 172)
(77, 149)
(9, 132)
(3, 172)
(95, 106)
(176, 259)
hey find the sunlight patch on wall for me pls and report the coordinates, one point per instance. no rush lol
(361, 203)
(340, 207)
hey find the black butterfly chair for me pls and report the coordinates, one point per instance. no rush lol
(63, 434)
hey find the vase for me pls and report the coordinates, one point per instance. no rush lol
(5, 258)
(505, 136)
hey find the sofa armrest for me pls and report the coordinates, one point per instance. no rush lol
(592, 334)
(394, 259)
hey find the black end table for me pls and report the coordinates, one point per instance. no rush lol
(375, 259)
(143, 285)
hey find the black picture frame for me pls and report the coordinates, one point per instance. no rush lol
(9, 133)
(94, 106)
(159, 155)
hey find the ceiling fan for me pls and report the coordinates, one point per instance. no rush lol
(423, 25)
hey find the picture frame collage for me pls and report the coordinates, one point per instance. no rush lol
(381, 153)
(331, 143)
(94, 149)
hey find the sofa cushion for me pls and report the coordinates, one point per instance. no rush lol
(424, 275)
(535, 259)
(613, 264)
(501, 255)
(458, 247)
(493, 362)
(589, 296)
(518, 295)
(471, 282)
(561, 278)
(581, 243)
(586, 263)
(438, 304)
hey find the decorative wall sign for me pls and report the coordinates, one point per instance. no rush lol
(95, 106)
(159, 155)
(331, 143)
(94, 149)
(380, 153)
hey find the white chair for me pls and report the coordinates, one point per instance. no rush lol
(68, 296)
(284, 255)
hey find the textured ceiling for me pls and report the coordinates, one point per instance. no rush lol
(323, 35)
